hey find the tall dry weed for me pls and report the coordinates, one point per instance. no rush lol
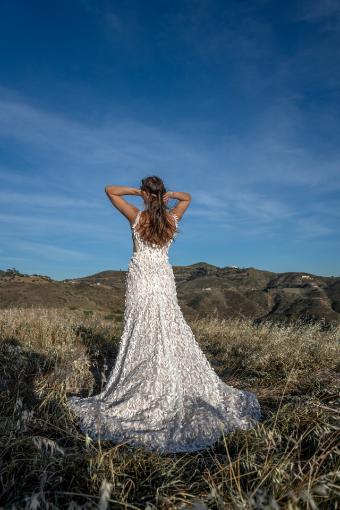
(290, 460)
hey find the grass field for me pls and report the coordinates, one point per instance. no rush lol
(290, 460)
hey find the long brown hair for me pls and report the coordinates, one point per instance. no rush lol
(154, 225)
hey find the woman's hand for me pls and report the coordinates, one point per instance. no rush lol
(144, 195)
(167, 196)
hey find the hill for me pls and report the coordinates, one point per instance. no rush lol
(203, 290)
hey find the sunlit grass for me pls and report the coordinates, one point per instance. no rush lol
(289, 460)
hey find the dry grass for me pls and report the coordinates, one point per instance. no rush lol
(289, 460)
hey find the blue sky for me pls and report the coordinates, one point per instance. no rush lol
(236, 102)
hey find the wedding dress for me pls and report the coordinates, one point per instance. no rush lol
(162, 393)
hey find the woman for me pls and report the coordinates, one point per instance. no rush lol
(162, 393)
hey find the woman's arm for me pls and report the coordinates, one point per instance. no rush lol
(122, 190)
(180, 195)
(115, 193)
(183, 204)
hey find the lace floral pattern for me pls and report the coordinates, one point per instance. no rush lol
(162, 393)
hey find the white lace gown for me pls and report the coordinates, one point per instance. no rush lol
(162, 393)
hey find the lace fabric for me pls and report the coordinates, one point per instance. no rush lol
(162, 394)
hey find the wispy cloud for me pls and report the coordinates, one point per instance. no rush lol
(83, 155)
(316, 10)
(38, 225)
(13, 259)
(106, 14)
(47, 201)
(313, 228)
(254, 214)
(49, 251)
(14, 177)
(79, 151)
(273, 155)
(259, 207)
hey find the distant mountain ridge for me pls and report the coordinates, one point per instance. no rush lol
(203, 289)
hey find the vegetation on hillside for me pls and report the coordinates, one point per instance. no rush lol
(203, 290)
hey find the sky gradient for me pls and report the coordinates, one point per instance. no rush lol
(236, 102)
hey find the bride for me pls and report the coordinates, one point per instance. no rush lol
(162, 393)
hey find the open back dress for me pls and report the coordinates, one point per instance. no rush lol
(162, 393)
